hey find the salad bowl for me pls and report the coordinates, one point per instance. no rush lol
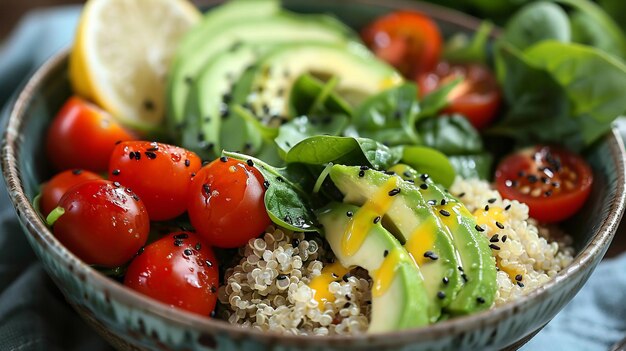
(130, 321)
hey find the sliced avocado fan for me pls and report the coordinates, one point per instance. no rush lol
(399, 298)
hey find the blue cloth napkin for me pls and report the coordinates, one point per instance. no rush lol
(34, 315)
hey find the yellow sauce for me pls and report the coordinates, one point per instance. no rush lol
(383, 277)
(490, 217)
(421, 240)
(330, 273)
(363, 219)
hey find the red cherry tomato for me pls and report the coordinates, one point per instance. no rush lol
(103, 224)
(159, 173)
(476, 97)
(410, 41)
(553, 182)
(53, 190)
(83, 136)
(179, 270)
(226, 203)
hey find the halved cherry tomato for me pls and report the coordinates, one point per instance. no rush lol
(179, 270)
(83, 136)
(553, 182)
(53, 190)
(476, 97)
(226, 203)
(159, 173)
(408, 40)
(104, 223)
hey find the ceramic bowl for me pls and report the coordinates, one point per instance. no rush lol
(134, 322)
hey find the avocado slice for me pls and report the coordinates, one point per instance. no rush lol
(399, 298)
(477, 262)
(414, 222)
(213, 21)
(255, 30)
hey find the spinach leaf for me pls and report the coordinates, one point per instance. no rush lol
(322, 149)
(536, 22)
(389, 116)
(617, 10)
(460, 49)
(286, 200)
(429, 161)
(450, 134)
(310, 96)
(586, 30)
(472, 166)
(267, 133)
(437, 100)
(604, 25)
(300, 128)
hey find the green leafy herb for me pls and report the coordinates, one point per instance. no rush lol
(460, 49)
(472, 166)
(389, 116)
(450, 135)
(286, 200)
(437, 100)
(303, 127)
(430, 161)
(536, 22)
(322, 149)
(311, 96)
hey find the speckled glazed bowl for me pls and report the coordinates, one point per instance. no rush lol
(133, 322)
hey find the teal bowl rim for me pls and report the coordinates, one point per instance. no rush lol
(39, 231)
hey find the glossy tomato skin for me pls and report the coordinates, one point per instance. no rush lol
(159, 173)
(53, 190)
(553, 182)
(178, 270)
(83, 136)
(408, 40)
(104, 223)
(226, 205)
(477, 96)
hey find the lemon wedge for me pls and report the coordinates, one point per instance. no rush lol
(122, 52)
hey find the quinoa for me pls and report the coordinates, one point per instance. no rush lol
(268, 289)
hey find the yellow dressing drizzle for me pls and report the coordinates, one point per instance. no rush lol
(490, 217)
(421, 240)
(383, 277)
(321, 282)
(363, 219)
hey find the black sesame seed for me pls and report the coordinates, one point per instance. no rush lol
(504, 238)
(518, 277)
(188, 252)
(479, 228)
(334, 275)
(486, 207)
(295, 242)
(213, 289)
(464, 276)
(424, 176)
(508, 207)
(410, 181)
(281, 277)
(115, 172)
(151, 155)
(223, 158)
(499, 225)
(520, 284)
(480, 300)
(349, 214)
(346, 277)
(346, 305)
(377, 219)
(266, 184)
(77, 171)
(198, 246)
(433, 256)
(492, 200)
(206, 188)
(118, 142)
(178, 242)
(187, 163)
(131, 155)
(390, 172)
(394, 192)
(193, 174)
(494, 238)
(548, 193)
(385, 253)
(280, 179)
(460, 269)
(208, 263)
(148, 104)
(443, 202)
(532, 179)
(129, 190)
(424, 186)
(181, 236)
(494, 246)
(361, 173)
(445, 280)
(461, 194)
(444, 213)
(135, 197)
(250, 163)
(441, 295)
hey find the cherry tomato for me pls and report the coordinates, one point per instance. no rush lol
(159, 173)
(55, 188)
(553, 182)
(226, 203)
(104, 223)
(408, 40)
(83, 136)
(179, 270)
(476, 97)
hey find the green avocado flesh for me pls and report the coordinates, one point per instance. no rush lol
(462, 266)
(403, 304)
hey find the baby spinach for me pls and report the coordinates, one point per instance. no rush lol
(300, 128)
(437, 100)
(310, 96)
(460, 49)
(286, 200)
(429, 161)
(472, 166)
(451, 134)
(536, 22)
(389, 116)
(322, 149)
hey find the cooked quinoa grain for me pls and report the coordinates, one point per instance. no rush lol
(268, 289)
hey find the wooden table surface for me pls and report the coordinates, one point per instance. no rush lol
(12, 10)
